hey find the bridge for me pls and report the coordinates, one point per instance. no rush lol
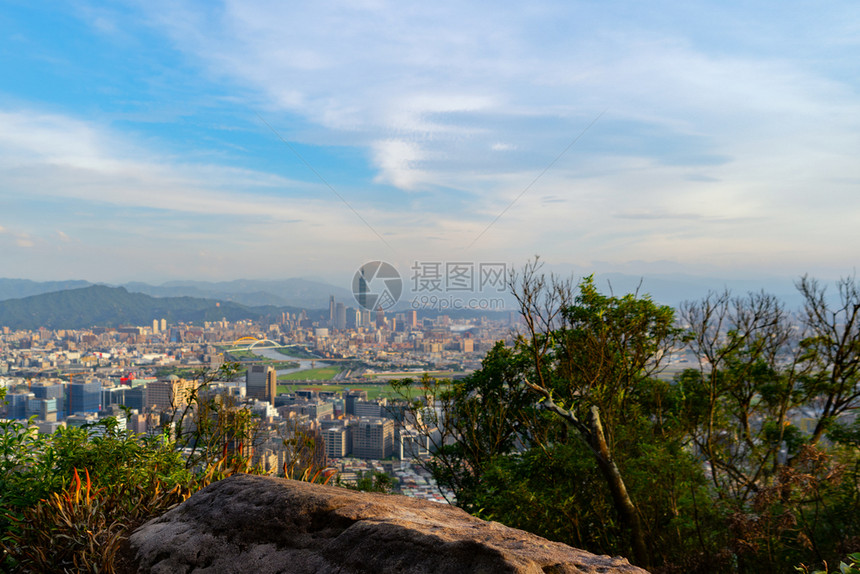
(251, 343)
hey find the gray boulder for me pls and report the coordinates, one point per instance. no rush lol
(265, 525)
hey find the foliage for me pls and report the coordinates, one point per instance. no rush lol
(850, 567)
(81, 528)
(69, 500)
(370, 481)
(47, 506)
(743, 463)
(305, 456)
(469, 421)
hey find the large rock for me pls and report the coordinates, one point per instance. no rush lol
(268, 525)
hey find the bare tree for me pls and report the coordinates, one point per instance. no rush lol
(832, 345)
(749, 372)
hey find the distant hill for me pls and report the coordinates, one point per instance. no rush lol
(99, 305)
(17, 288)
(302, 293)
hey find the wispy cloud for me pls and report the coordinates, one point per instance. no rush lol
(720, 133)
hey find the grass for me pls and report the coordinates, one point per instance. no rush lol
(374, 390)
(320, 374)
(409, 374)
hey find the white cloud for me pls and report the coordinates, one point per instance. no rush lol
(716, 135)
(451, 76)
(397, 161)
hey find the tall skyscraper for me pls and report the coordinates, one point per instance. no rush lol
(331, 310)
(340, 317)
(353, 318)
(362, 290)
(261, 383)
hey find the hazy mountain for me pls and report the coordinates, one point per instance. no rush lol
(98, 305)
(303, 293)
(673, 289)
(17, 288)
(670, 289)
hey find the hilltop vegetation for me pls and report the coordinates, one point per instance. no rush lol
(747, 463)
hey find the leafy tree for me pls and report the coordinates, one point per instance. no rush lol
(576, 435)
(370, 481)
(590, 352)
(471, 421)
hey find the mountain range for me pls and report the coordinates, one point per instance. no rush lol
(301, 293)
(103, 306)
(26, 304)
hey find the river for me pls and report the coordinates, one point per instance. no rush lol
(304, 364)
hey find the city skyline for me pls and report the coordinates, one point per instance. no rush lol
(176, 140)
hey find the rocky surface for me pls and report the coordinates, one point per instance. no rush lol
(266, 525)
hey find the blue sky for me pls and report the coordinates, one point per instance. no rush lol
(715, 138)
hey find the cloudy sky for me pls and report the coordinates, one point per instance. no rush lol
(160, 140)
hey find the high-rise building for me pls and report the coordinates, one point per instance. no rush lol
(353, 318)
(350, 398)
(170, 393)
(362, 290)
(412, 319)
(83, 397)
(331, 310)
(340, 317)
(16, 405)
(373, 438)
(49, 391)
(336, 442)
(369, 408)
(155, 326)
(261, 383)
(136, 398)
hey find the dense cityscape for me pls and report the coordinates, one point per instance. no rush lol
(131, 374)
